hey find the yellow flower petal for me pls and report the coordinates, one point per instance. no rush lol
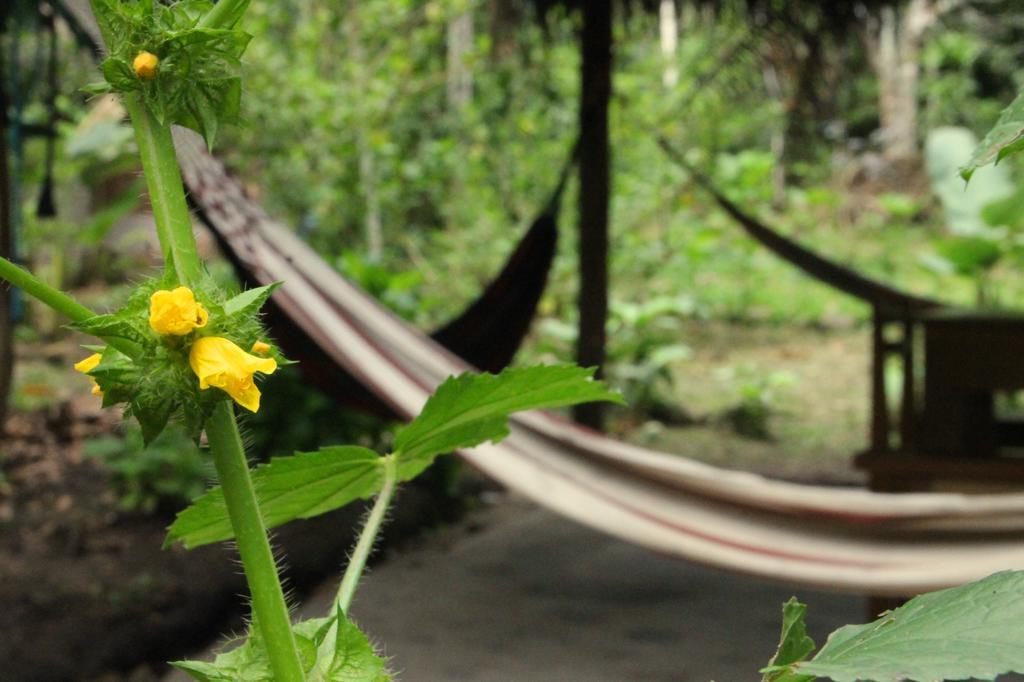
(176, 312)
(219, 363)
(89, 364)
(260, 348)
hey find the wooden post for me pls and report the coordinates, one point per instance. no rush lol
(907, 408)
(594, 194)
(879, 402)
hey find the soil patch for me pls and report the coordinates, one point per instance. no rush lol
(87, 593)
(805, 390)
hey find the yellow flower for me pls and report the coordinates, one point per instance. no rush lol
(87, 365)
(145, 64)
(220, 363)
(260, 348)
(176, 312)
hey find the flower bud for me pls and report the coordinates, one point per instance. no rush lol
(145, 65)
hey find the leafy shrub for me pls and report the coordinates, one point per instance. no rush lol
(168, 472)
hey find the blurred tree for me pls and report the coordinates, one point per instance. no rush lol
(6, 249)
(668, 25)
(460, 72)
(893, 35)
(506, 17)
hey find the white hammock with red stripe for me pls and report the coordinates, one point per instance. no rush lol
(832, 538)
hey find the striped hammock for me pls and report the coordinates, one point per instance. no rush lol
(831, 538)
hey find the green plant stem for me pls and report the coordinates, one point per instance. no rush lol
(56, 299)
(174, 228)
(33, 286)
(368, 536)
(166, 192)
(268, 605)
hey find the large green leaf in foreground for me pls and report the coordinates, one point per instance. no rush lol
(972, 631)
(297, 487)
(466, 410)
(470, 409)
(1005, 138)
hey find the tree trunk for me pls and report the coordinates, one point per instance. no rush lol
(897, 86)
(505, 20)
(668, 26)
(372, 224)
(6, 250)
(594, 194)
(773, 87)
(368, 179)
(459, 76)
(893, 39)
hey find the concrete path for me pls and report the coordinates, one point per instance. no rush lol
(515, 593)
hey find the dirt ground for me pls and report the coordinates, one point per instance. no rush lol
(805, 390)
(86, 591)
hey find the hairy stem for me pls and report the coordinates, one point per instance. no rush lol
(166, 192)
(368, 536)
(174, 228)
(33, 286)
(268, 605)
(56, 299)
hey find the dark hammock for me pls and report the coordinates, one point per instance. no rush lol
(884, 298)
(486, 334)
(888, 305)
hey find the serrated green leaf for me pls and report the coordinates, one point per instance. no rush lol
(471, 409)
(116, 375)
(197, 82)
(946, 150)
(1006, 137)
(247, 662)
(971, 631)
(353, 657)
(297, 487)
(250, 301)
(198, 670)
(794, 645)
(332, 649)
(307, 651)
(109, 326)
(152, 415)
(119, 74)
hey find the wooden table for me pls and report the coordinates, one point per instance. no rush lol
(950, 433)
